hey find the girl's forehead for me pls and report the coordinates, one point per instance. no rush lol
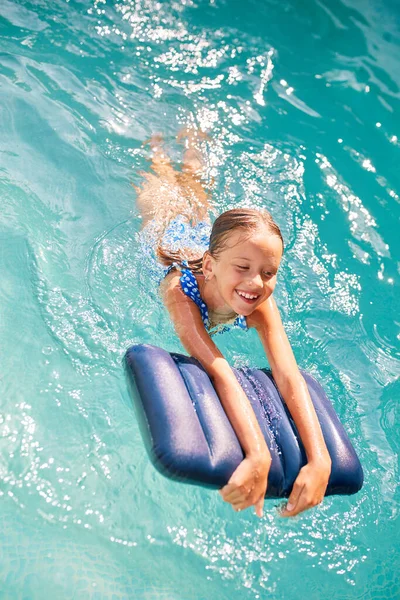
(261, 241)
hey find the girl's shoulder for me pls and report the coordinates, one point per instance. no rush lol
(266, 314)
(171, 286)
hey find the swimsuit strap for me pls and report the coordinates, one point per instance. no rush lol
(190, 288)
(241, 322)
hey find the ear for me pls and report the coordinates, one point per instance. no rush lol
(208, 264)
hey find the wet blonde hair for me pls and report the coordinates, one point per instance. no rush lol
(247, 220)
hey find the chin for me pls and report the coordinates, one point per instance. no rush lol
(249, 311)
(245, 310)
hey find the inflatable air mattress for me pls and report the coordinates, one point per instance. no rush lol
(189, 437)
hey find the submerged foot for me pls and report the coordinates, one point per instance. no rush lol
(156, 143)
(192, 134)
(193, 158)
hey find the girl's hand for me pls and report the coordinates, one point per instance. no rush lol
(309, 488)
(248, 484)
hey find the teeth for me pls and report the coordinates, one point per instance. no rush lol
(248, 296)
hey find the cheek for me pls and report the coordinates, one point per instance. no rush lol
(227, 281)
(231, 278)
(270, 286)
(237, 280)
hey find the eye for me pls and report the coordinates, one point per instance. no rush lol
(242, 267)
(267, 274)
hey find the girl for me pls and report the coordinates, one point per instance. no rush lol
(230, 282)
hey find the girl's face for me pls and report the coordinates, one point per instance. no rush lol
(244, 274)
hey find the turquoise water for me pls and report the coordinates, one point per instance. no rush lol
(301, 102)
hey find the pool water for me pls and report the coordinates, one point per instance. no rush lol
(301, 103)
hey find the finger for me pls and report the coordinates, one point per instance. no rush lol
(304, 503)
(291, 506)
(241, 505)
(301, 506)
(259, 506)
(236, 494)
(240, 500)
(255, 500)
(227, 489)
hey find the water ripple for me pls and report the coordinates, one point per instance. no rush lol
(303, 124)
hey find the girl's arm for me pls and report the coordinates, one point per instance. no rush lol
(310, 485)
(248, 484)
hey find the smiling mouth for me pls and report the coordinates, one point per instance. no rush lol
(249, 298)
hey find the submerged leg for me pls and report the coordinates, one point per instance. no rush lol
(165, 192)
(157, 194)
(193, 158)
(193, 169)
(160, 161)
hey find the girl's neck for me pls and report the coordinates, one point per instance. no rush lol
(212, 298)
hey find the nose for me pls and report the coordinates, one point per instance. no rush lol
(256, 281)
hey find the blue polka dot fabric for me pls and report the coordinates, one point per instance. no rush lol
(191, 289)
(181, 234)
